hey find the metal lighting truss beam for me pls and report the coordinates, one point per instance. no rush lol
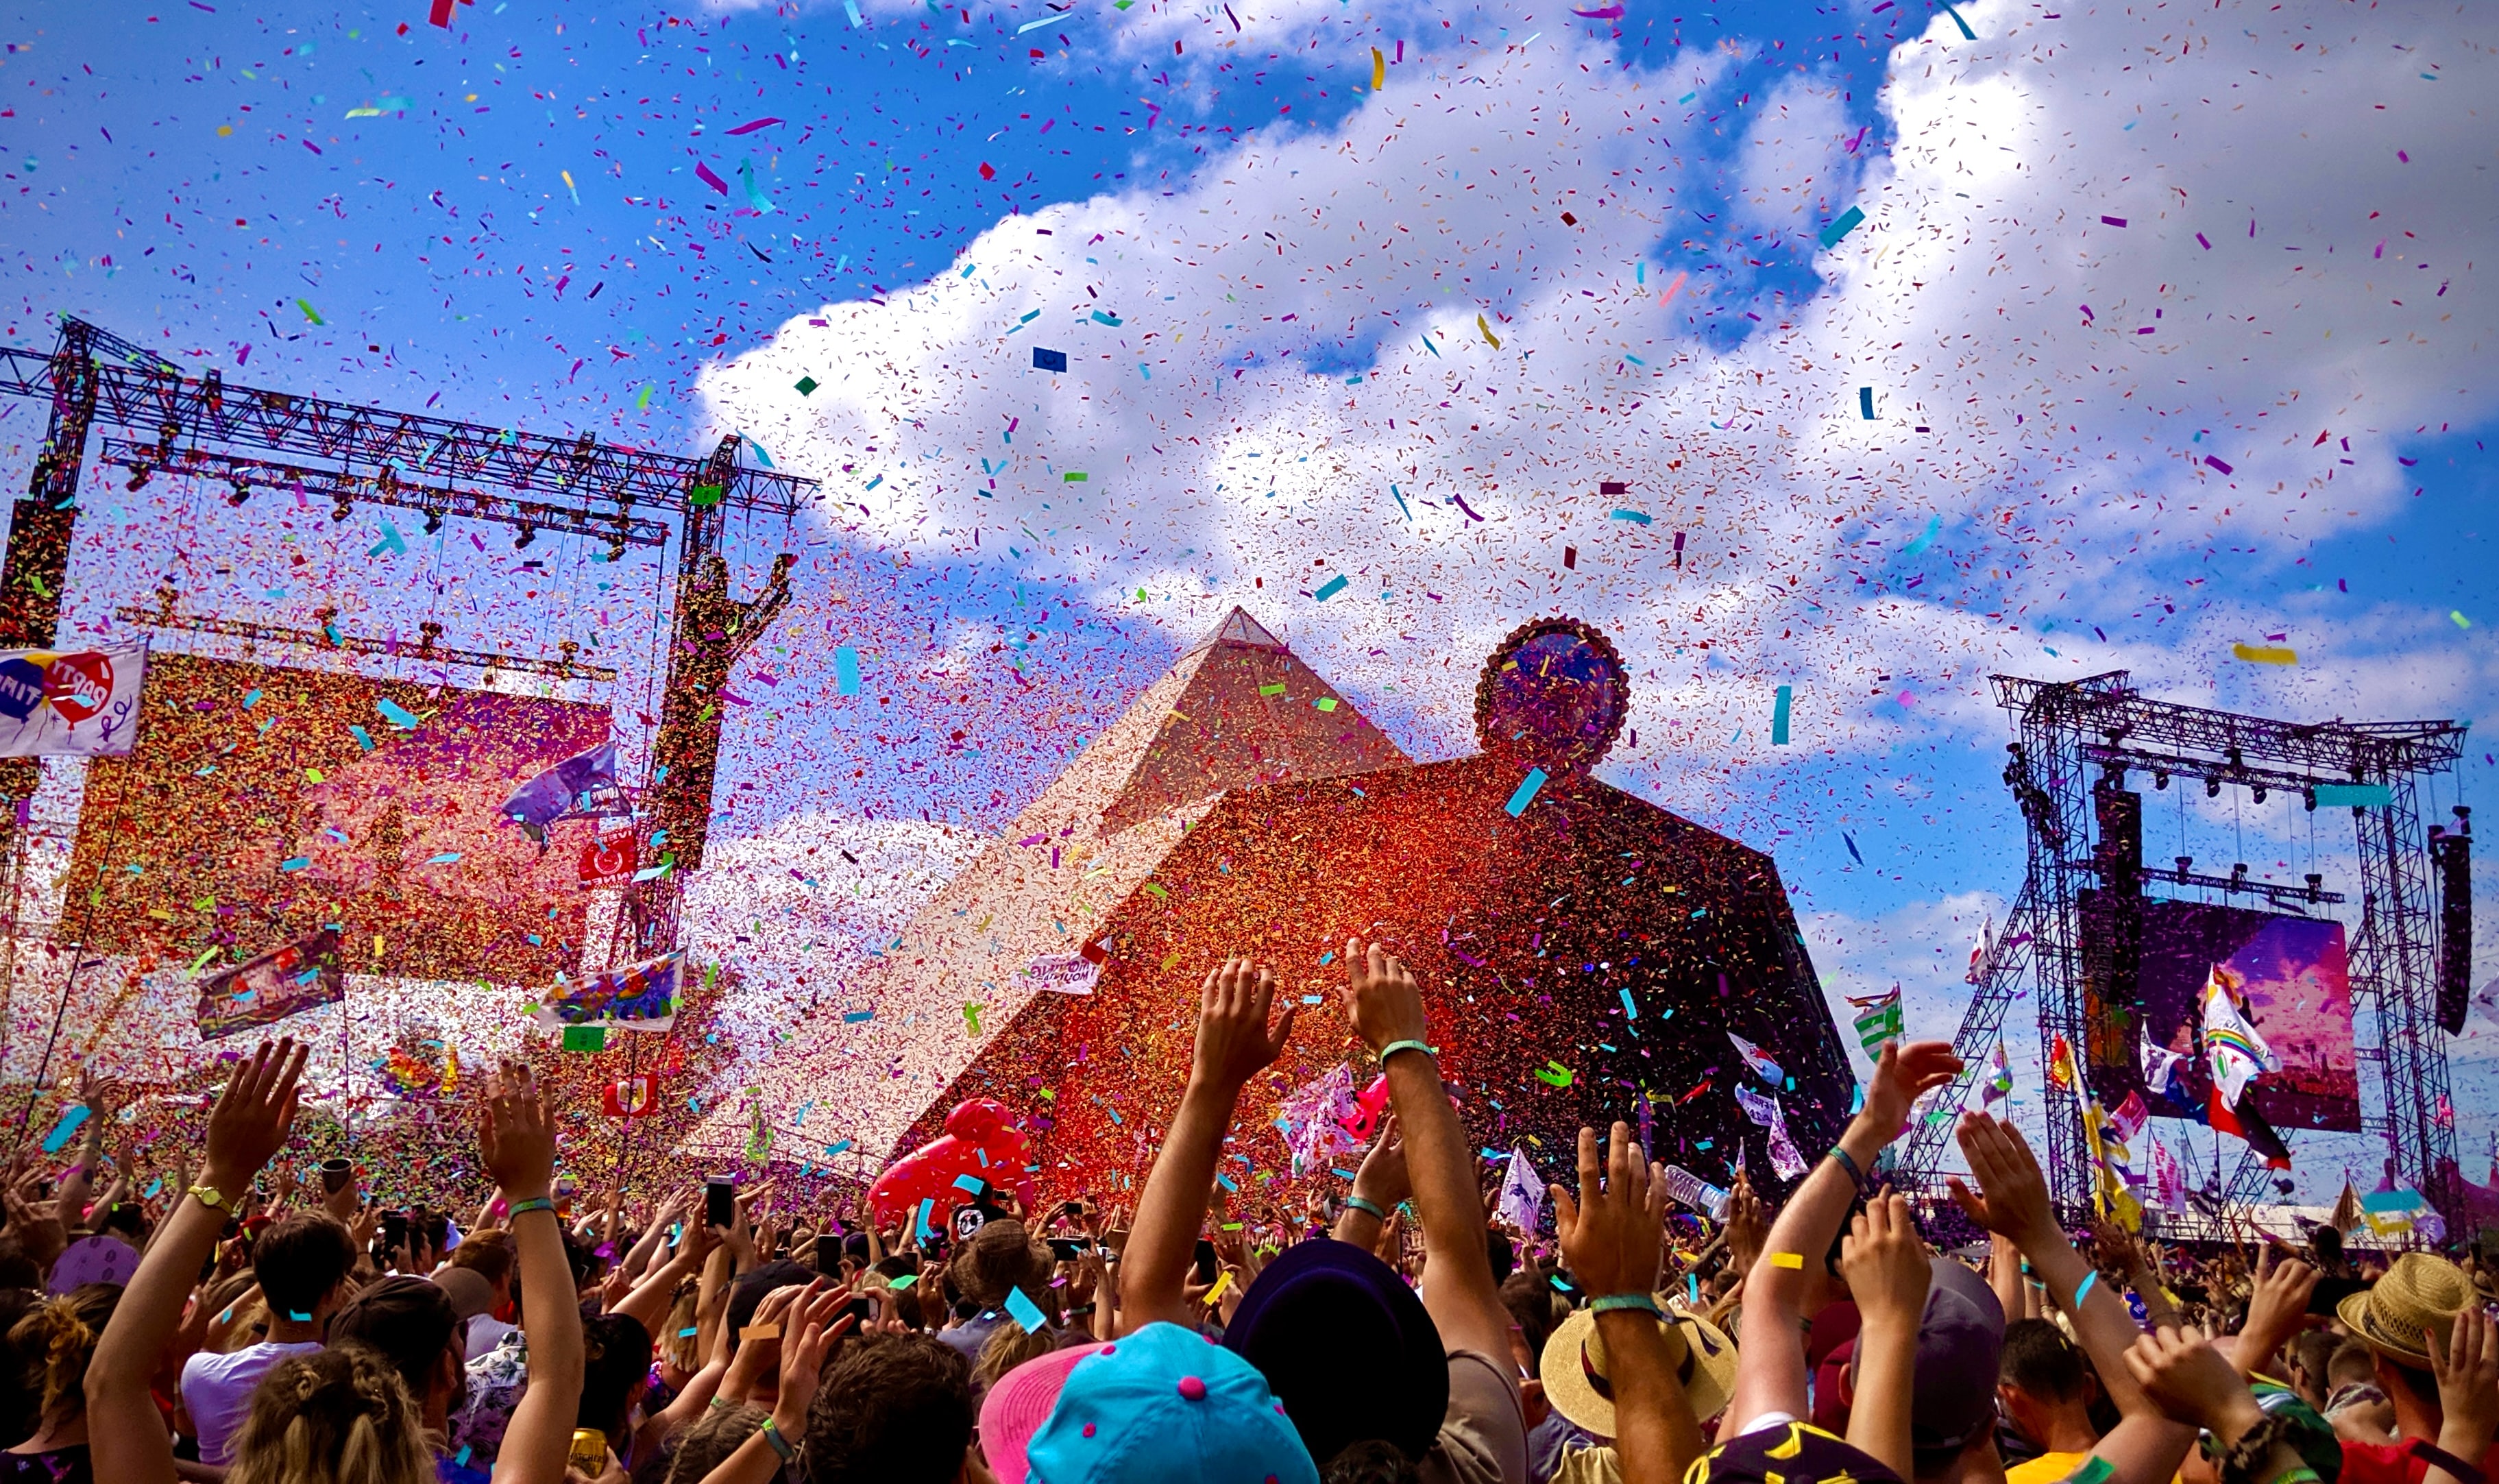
(2069, 731)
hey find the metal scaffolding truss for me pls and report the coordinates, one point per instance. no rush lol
(2073, 734)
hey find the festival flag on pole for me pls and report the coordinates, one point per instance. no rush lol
(632, 1097)
(1785, 1157)
(1998, 1084)
(1522, 1194)
(2233, 1045)
(644, 997)
(1878, 1019)
(287, 980)
(2168, 1182)
(80, 704)
(584, 784)
(2061, 1064)
(1978, 953)
(1759, 1060)
(2346, 1206)
(2112, 1177)
(2165, 1076)
(2129, 1117)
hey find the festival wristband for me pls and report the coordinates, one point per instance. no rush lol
(521, 1208)
(771, 1433)
(1620, 1301)
(2085, 1286)
(1395, 1047)
(2430, 1453)
(1855, 1177)
(1371, 1209)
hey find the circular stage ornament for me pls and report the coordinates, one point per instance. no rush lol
(1552, 694)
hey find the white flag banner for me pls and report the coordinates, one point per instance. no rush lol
(70, 702)
(1522, 1194)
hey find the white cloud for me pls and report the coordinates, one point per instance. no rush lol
(1222, 437)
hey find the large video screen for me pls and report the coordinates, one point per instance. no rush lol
(261, 805)
(2296, 982)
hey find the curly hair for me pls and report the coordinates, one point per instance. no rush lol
(338, 1416)
(56, 1340)
(1007, 1347)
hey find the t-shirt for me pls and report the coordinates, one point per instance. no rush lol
(52, 1465)
(495, 1384)
(2396, 1464)
(216, 1390)
(485, 1333)
(2046, 1468)
(973, 1333)
(1483, 1434)
(1791, 1451)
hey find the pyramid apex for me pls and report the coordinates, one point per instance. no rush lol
(1239, 627)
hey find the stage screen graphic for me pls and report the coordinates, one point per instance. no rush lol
(262, 804)
(2297, 988)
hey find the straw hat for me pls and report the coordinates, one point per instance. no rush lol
(2394, 1316)
(1575, 1370)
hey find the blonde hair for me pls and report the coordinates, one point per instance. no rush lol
(56, 1339)
(1007, 1347)
(340, 1416)
(678, 1347)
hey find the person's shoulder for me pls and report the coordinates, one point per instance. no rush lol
(2368, 1463)
(2046, 1468)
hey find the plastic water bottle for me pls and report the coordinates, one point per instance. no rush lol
(1693, 1191)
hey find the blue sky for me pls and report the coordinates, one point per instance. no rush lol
(190, 175)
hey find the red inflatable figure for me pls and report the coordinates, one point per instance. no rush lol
(981, 1140)
(1370, 1109)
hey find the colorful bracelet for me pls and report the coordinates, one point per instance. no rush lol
(1395, 1047)
(1618, 1301)
(771, 1433)
(521, 1208)
(2084, 1287)
(1855, 1177)
(1367, 1208)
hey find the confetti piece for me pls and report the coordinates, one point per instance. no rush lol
(846, 671)
(310, 313)
(1525, 793)
(708, 177)
(1866, 403)
(1779, 715)
(1049, 360)
(1027, 1314)
(1840, 226)
(2354, 796)
(1637, 517)
(59, 1138)
(2113, 221)
(1378, 69)
(751, 125)
(2266, 654)
(1485, 330)
(1330, 588)
(2218, 465)
(1966, 34)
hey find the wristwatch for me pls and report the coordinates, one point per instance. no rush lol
(213, 1199)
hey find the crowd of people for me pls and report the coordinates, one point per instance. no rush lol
(1396, 1331)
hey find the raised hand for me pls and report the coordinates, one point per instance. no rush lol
(2466, 1364)
(1885, 1262)
(254, 1117)
(1233, 1038)
(2012, 1200)
(1612, 1235)
(1381, 998)
(1381, 1178)
(1749, 1224)
(809, 1326)
(515, 1140)
(2188, 1379)
(1905, 1074)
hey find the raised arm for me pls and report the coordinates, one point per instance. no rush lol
(2144, 1446)
(127, 1437)
(1379, 1186)
(653, 1296)
(1611, 1237)
(1233, 1043)
(1888, 1275)
(516, 1142)
(1385, 1005)
(1770, 1370)
(78, 1184)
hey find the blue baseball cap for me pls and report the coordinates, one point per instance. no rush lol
(1163, 1406)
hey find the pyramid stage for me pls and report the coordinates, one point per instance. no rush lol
(1241, 807)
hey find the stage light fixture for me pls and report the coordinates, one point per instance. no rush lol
(528, 535)
(341, 507)
(241, 493)
(139, 477)
(2259, 794)
(2161, 780)
(2309, 794)
(616, 552)
(2212, 787)
(433, 522)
